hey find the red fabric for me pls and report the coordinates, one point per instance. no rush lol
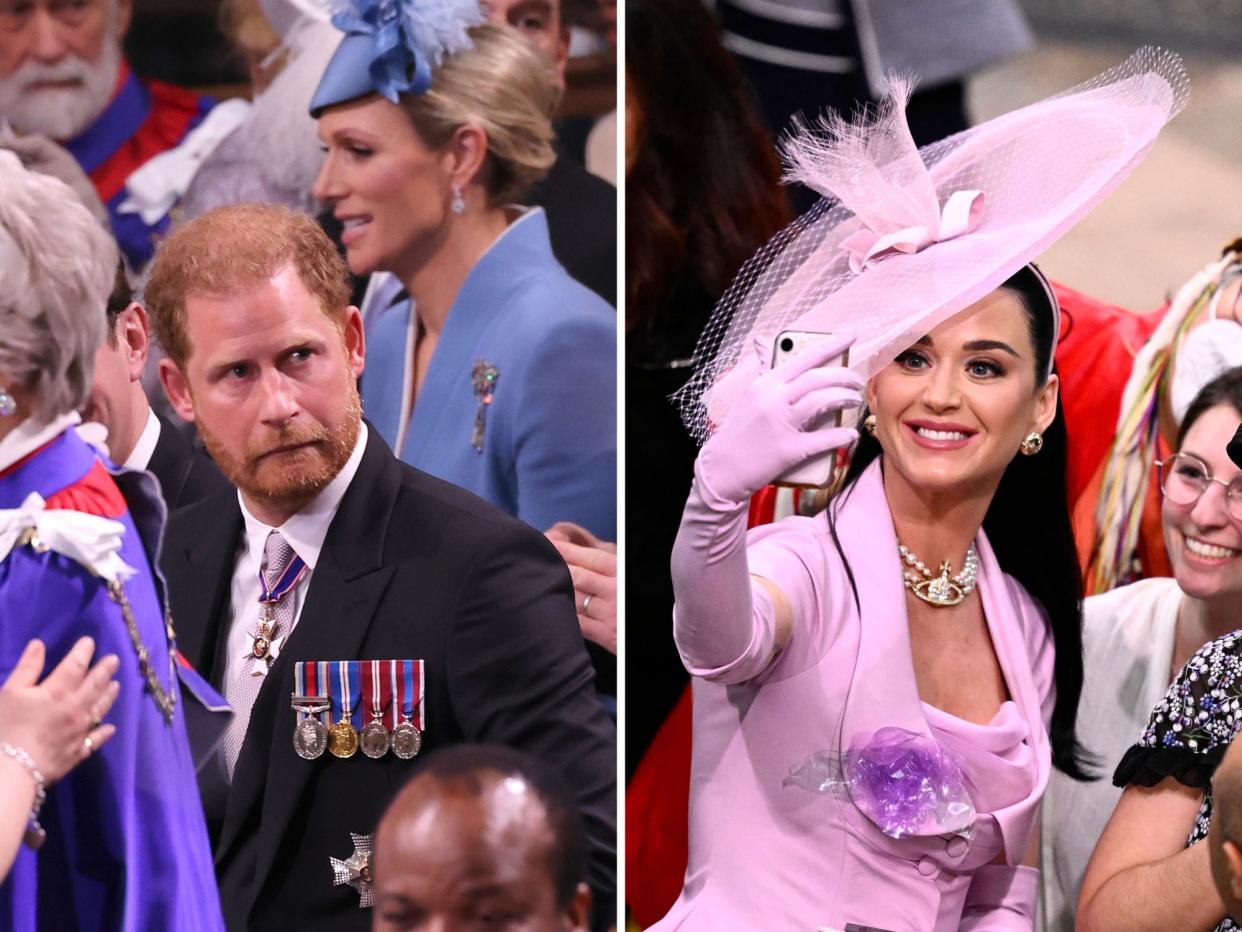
(173, 109)
(93, 494)
(657, 801)
(1094, 359)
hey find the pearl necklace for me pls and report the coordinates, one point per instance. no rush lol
(940, 590)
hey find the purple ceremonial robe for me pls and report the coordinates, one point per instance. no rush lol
(126, 844)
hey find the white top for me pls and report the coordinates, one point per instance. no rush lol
(1128, 638)
(140, 455)
(305, 533)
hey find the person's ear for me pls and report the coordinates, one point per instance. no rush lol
(177, 388)
(1046, 403)
(123, 12)
(353, 335)
(133, 332)
(577, 913)
(1233, 860)
(466, 152)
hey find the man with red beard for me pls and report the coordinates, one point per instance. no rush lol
(62, 76)
(340, 591)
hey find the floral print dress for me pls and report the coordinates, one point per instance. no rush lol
(1190, 730)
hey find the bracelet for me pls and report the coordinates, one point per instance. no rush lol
(34, 831)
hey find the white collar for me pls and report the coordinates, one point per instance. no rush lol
(140, 456)
(305, 531)
(30, 434)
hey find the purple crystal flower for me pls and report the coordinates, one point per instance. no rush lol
(902, 781)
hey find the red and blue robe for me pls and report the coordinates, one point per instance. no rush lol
(143, 119)
(127, 847)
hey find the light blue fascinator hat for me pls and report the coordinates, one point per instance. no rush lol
(391, 47)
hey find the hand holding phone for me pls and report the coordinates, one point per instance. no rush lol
(782, 419)
(818, 470)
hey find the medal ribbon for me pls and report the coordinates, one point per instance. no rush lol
(411, 693)
(395, 686)
(309, 680)
(288, 579)
(322, 688)
(374, 682)
(346, 690)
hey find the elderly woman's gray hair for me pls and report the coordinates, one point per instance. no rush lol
(57, 266)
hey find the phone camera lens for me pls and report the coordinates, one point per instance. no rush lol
(786, 344)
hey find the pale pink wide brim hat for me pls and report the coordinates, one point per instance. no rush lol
(906, 238)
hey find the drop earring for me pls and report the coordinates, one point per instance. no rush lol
(459, 202)
(8, 404)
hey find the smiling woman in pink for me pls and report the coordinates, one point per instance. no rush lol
(883, 689)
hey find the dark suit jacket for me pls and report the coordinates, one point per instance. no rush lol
(582, 224)
(412, 567)
(185, 473)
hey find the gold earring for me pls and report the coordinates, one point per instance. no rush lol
(1032, 444)
(869, 424)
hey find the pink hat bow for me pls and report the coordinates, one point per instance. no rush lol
(961, 213)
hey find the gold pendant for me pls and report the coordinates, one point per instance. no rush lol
(343, 739)
(940, 591)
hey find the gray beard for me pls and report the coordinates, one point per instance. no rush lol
(61, 114)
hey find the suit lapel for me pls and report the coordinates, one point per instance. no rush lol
(345, 590)
(203, 581)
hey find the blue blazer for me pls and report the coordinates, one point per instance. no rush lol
(549, 443)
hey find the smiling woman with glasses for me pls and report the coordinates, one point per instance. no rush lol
(1136, 639)
(1184, 478)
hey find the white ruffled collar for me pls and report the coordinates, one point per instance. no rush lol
(90, 540)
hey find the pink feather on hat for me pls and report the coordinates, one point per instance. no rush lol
(906, 238)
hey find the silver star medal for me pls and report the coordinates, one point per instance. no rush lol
(356, 870)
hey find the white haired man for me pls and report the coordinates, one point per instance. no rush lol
(63, 76)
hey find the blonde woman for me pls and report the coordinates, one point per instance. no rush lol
(497, 372)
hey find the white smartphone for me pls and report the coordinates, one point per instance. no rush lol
(819, 470)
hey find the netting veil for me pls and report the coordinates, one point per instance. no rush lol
(905, 238)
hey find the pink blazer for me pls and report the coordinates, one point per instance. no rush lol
(764, 856)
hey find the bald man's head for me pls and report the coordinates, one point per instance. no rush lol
(1225, 836)
(480, 833)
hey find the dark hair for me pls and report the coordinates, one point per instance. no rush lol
(1225, 389)
(464, 765)
(118, 300)
(1034, 547)
(704, 191)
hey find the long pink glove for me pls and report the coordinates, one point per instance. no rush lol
(721, 633)
(1001, 898)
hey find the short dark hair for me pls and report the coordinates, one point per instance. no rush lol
(120, 298)
(1225, 389)
(464, 766)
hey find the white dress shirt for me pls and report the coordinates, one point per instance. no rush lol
(140, 456)
(305, 533)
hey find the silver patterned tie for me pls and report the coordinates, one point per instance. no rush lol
(272, 625)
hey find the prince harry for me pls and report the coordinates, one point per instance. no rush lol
(333, 552)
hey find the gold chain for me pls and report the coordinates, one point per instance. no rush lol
(167, 701)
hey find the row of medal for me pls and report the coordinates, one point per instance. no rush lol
(344, 706)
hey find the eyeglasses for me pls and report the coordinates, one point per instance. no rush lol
(1184, 478)
(16, 14)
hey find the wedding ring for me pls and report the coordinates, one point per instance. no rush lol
(95, 723)
(586, 603)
